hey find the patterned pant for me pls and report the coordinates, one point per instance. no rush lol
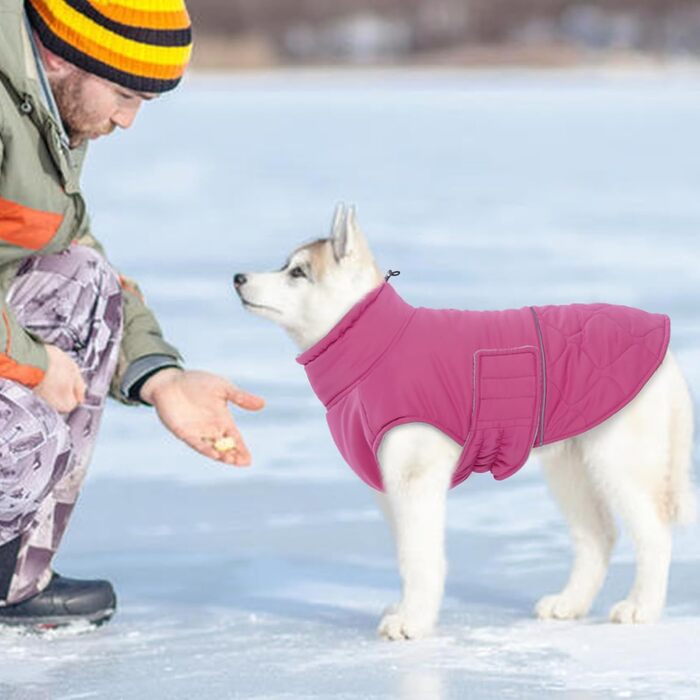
(71, 300)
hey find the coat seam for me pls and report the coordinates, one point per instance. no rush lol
(543, 362)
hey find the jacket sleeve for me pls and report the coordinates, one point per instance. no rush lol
(23, 356)
(143, 347)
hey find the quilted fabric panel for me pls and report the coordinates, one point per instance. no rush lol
(597, 358)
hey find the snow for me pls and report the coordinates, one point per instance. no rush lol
(487, 190)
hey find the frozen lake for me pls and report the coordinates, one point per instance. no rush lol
(487, 190)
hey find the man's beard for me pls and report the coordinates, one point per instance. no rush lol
(78, 121)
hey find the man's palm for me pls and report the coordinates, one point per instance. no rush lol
(193, 405)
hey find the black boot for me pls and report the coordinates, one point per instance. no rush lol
(62, 602)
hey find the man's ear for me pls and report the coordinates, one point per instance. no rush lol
(54, 65)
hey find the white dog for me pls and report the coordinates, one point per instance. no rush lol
(636, 463)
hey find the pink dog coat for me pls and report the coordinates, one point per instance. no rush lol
(497, 382)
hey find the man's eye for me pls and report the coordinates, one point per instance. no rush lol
(297, 272)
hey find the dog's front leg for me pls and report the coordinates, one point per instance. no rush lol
(417, 466)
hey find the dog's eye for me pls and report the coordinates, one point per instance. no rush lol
(297, 272)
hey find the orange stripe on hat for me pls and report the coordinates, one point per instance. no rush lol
(178, 19)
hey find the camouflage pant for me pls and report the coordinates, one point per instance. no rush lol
(72, 300)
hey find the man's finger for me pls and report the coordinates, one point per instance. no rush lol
(238, 454)
(241, 456)
(243, 399)
(208, 447)
(208, 451)
(243, 459)
(231, 458)
(79, 392)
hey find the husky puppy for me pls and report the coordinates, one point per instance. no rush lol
(635, 463)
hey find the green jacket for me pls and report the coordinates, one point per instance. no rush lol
(42, 210)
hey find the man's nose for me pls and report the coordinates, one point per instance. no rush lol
(124, 118)
(239, 279)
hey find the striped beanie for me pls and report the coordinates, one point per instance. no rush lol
(143, 45)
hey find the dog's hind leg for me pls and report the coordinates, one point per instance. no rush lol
(631, 458)
(417, 462)
(636, 501)
(591, 526)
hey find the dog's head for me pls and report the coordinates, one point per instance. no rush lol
(319, 283)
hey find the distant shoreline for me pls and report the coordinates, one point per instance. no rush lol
(214, 54)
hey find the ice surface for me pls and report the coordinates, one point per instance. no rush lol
(487, 190)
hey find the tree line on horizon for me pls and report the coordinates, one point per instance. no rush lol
(412, 26)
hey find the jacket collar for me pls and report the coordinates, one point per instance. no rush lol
(351, 348)
(43, 80)
(23, 71)
(17, 59)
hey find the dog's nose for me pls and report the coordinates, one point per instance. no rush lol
(239, 279)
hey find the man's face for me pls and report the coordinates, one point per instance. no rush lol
(91, 106)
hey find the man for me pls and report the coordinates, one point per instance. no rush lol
(72, 330)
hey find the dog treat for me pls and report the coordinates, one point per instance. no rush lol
(225, 444)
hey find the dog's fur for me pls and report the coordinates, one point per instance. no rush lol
(637, 464)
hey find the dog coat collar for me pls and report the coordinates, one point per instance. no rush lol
(356, 343)
(496, 382)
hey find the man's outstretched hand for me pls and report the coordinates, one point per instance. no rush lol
(194, 407)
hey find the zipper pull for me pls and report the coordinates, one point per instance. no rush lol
(26, 106)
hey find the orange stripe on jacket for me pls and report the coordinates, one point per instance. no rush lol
(9, 369)
(22, 374)
(127, 285)
(25, 227)
(8, 332)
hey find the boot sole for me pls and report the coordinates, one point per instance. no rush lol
(48, 623)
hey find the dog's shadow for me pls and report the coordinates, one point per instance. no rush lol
(328, 592)
(334, 592)
(340, 573)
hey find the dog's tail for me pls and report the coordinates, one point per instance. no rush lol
(682, 504)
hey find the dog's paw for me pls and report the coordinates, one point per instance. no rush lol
(633, 612)
(560, 607)
(398, 624)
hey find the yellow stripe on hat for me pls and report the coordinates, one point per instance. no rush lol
(142, 5)
(106, 46)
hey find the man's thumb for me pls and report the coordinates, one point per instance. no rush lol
(243, 399)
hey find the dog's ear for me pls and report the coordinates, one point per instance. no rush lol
(338, 232)
(345, 234)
